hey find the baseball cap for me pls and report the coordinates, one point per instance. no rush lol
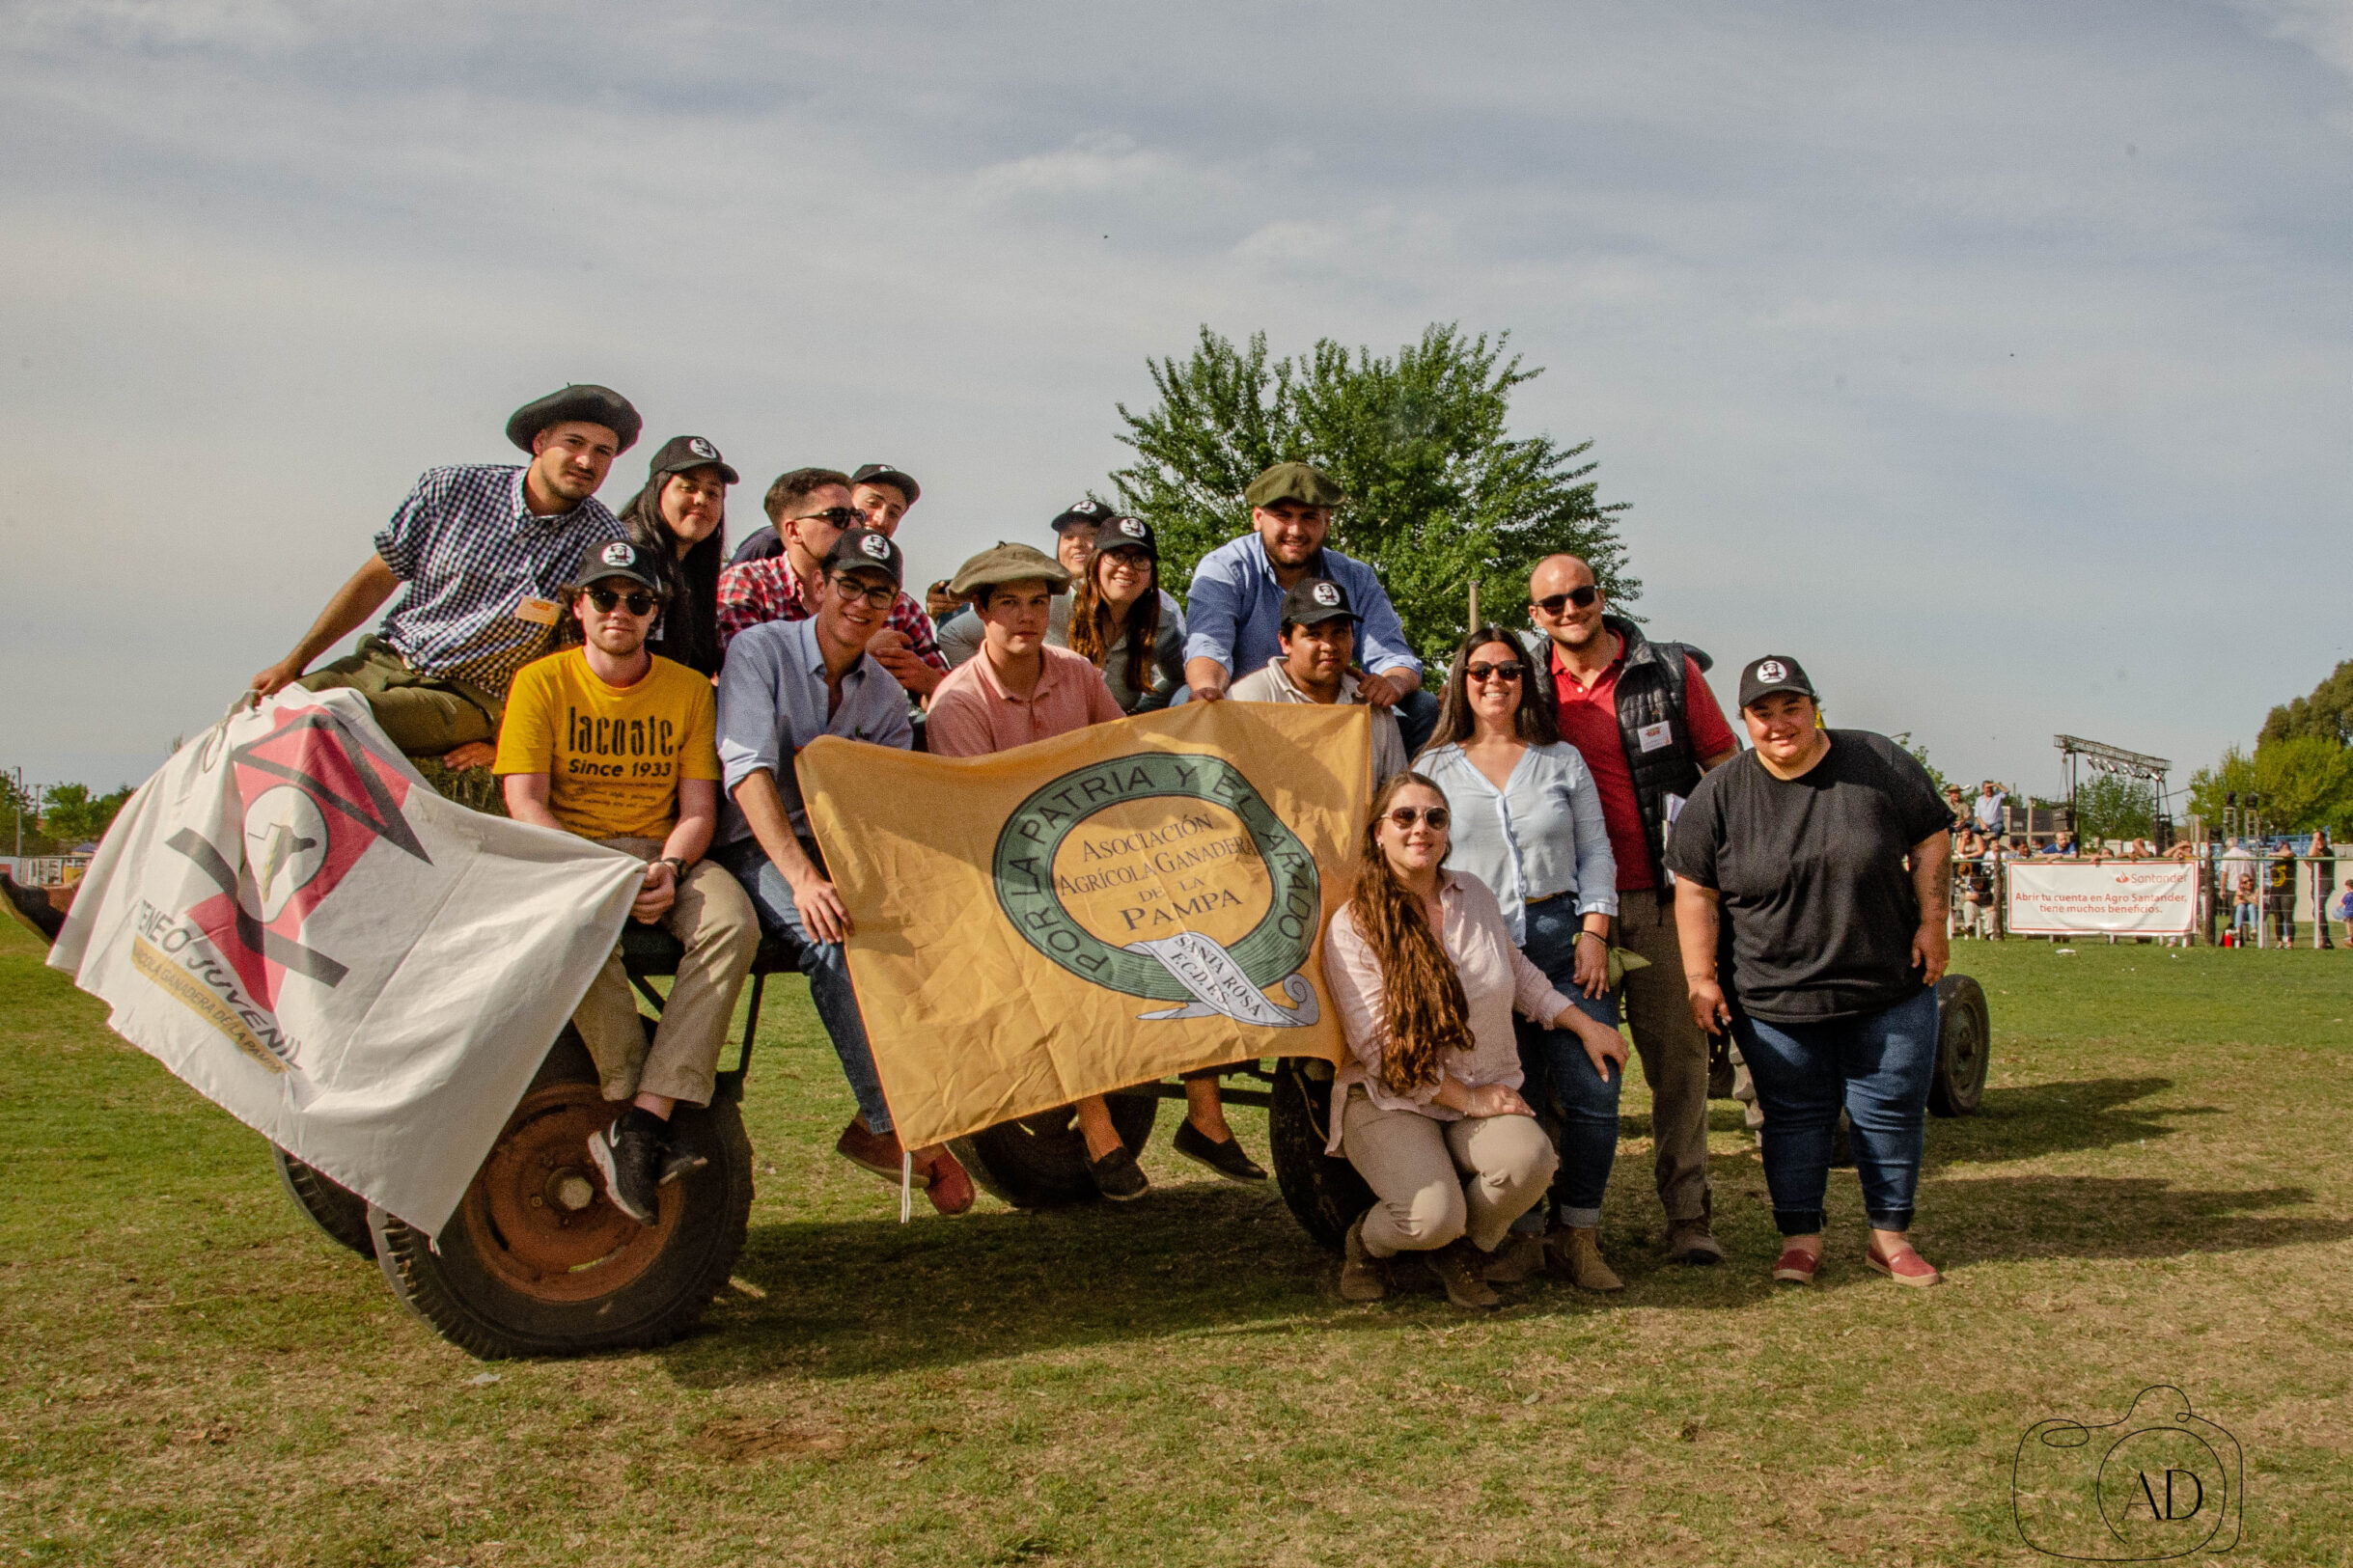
(1089, 511)
(619, 558)
(1303, 483)
(1311, 599)
(865, 549)
(1774, 672)
(1010, 563)
(682, 453)
(1125, 532)
(898, 478)
(597, 406)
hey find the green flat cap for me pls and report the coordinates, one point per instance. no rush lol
(1010, 563)
(1303, 483)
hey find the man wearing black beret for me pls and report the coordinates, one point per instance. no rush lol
(481, 553)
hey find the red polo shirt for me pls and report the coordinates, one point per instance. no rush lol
(1588, 722)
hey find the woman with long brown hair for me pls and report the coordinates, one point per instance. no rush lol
(1425, 976)
(680, 518)
(1119, 622)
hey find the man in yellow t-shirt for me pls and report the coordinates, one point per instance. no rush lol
(615, 744)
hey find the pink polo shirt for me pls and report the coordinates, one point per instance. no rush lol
(970, 715)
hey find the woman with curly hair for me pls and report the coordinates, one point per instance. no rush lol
(1119, 622)
(1425, 976)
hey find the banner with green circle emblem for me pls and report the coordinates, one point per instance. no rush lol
(1092, 911)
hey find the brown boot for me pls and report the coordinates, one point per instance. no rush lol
(1457, 1266)
(1576, 1257)
(1520, 1256)
(1362, 1278)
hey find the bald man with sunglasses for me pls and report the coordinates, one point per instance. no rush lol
(1642, 716)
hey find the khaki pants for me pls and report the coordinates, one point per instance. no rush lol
(1673, 1050)
(715, 920)
(423, 715)
(1418, 1168)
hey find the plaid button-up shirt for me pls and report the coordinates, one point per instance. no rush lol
(470, 551)
(752, 592)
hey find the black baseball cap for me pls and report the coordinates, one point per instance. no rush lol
(619, 558)
(1125, 532)
(899, 478)
(1311, 599)
(594, 404)
(684, 453)
(864, 549)
(1774, 672)
(1090, 511)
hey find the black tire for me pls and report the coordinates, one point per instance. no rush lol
(517, 1269)
(1323, 1189)
(340, 1213)
(1039, 1162)
(1964, 1047)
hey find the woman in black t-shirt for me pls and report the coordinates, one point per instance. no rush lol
(1791, 867)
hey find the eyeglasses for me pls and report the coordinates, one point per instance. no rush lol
(1552, 604)
(839, 516)
(1495, 671)
(880, 598)
(1405, 816)
(640, 604)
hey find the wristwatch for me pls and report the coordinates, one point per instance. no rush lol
(676, 865)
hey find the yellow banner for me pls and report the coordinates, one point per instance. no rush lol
(1092, 911)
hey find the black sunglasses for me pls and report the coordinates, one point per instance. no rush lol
(1405, 816)
(640, 603)
(839, 516)
(1500, 672)
(1553, 603)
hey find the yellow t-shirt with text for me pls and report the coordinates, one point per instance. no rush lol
(613, 754)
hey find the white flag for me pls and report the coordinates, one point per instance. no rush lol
(288, 918)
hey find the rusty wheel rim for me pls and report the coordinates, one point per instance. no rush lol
(537, 1212)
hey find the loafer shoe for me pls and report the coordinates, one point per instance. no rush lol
(947, 1184)
(878, 1152)
(1796, 1266)
(1118, 1176)
(1227, 1159)
(1906, 1268)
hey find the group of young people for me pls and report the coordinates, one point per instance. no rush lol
(1566, 836)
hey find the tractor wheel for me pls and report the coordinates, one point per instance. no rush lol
(1323, 1189)
(340, 1213)
(536, 1261)
(1964, 1039)
(1039, 1162)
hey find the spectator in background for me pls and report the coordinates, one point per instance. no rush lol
(2242, 907)
(2323, 856)
(2061, 847)
(2280, 894)
(1957, 806)
(1978, 898)
(1988, 810)
(2237, 861)
(2344, 911)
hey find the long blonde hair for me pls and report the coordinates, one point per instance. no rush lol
(1429, 1016)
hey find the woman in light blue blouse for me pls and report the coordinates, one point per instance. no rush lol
(1528, 823)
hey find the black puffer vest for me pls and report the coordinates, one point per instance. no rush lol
(1650, 693)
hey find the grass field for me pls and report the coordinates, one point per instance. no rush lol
(2159, 1190)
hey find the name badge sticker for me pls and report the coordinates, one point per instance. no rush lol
(543, 612)
(1655, 735)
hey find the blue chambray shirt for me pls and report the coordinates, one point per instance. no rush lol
(469, 551)
(772, 703)
(1233, 610)
(1543, 834)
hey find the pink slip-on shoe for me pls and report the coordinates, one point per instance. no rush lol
(1796, 1266)
(1906, 1268)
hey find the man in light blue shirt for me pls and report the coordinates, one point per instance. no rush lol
(1233, 610)
(786, 683)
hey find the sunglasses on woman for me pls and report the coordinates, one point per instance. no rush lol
(1552, 604)
(605, 600)
(1405, 816)
(1496, 671)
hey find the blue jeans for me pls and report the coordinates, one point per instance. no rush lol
(1562, 1087)
(1879, 1065)
(825, 964)
(1418, 718)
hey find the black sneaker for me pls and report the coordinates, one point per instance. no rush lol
(1227, 1159)
(630, 1154)
(679, 1162)
(1118, 1176)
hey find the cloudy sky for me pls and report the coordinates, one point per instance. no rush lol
(1992, 359)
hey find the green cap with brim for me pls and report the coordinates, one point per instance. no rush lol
(1303, 483)
(1010, 563)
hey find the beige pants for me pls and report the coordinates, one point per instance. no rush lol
(1673, 1050)
(1436, 1180)
(715, 920)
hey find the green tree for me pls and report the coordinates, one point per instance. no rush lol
(2305, 783)
(70, 815)
(20, 819)
(2111, 806)
(1440, 495)
(2327, 714)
